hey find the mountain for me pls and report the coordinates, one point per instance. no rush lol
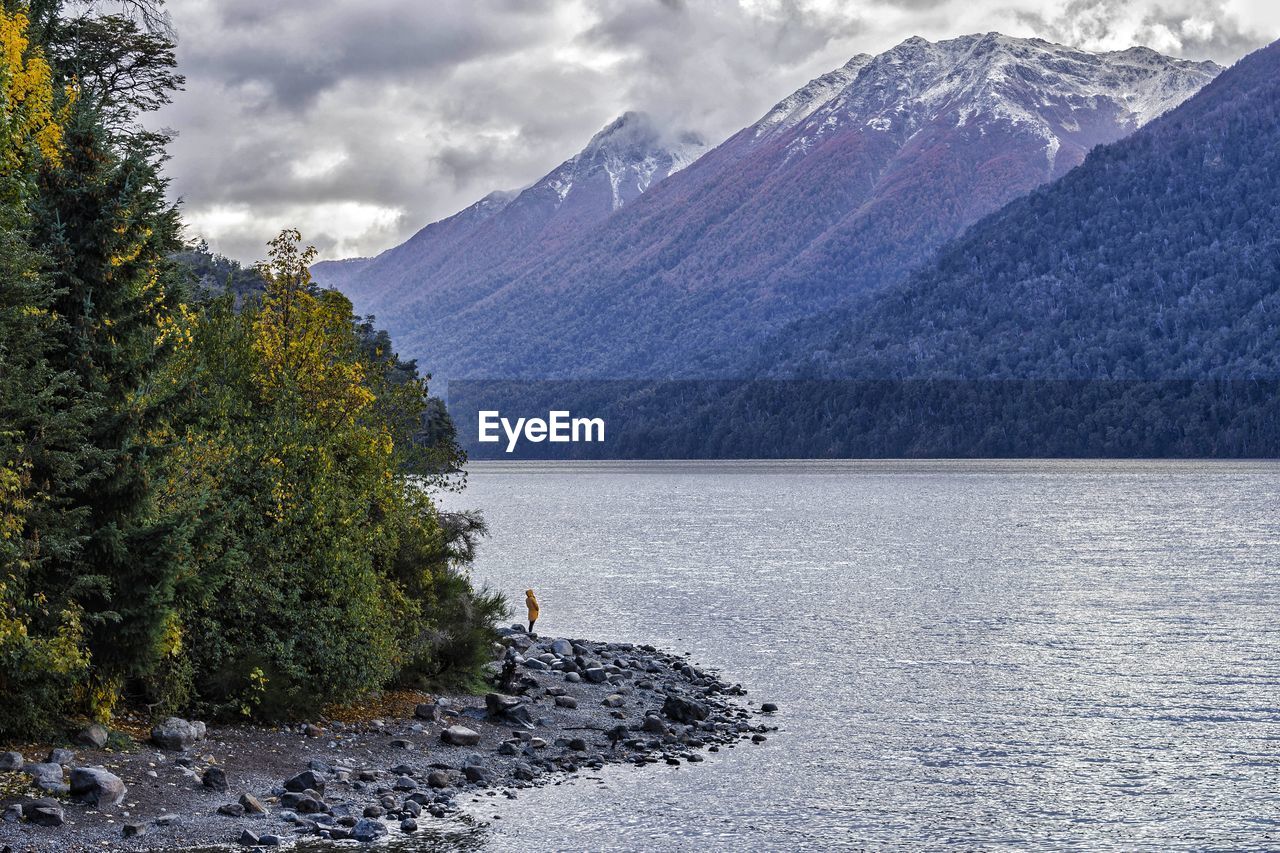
(1157, 259)
(839, 190)
(438, 269)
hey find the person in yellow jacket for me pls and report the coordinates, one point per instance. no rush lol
(531, 601)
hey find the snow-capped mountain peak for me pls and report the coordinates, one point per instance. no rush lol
(1041, 88)
(631, 153)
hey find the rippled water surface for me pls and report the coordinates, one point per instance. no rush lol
(977, 654)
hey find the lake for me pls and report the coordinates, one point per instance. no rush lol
(1055, 654)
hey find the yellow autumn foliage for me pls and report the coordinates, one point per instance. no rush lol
(31, 118)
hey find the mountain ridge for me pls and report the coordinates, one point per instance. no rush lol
(838, 189)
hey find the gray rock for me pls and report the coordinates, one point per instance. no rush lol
(769, 708)
(310, 805)
(11, 761)
(572, 677)
(523, 772)
(177, 733)
(427, 711)
(460, 736)
(654, 725)
(231, 810)
(507, 749)
(13, 814)
(499, 704)
(404, 783)
(685, 710)
(307, 780)
(536, 665)
(520, 715)
(475, 774)
(408, 825)
(613, 700)
(48, 777)
(167, 820)
(215, 779)
(367, 830)
(249, 838)
(438, 779)
(65, 757)
(94, 735)
(44, 812)
(578, 745)
(562, 648)
(596, 675)
(566, 702)
(133, 830)
(97, 786)
(270, 841)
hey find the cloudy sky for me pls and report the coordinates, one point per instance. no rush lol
(360, 121)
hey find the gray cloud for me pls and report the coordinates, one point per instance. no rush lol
(362, 122)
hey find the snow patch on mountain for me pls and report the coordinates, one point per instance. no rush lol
(1036, 86)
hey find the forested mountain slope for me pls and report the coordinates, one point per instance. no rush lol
(1158, 258)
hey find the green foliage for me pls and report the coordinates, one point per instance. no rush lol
(204, 500)
(321, 572)
(43, 416)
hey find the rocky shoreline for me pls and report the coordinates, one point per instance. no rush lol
(558, 707)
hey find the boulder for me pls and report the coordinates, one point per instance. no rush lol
(653, 725)
(685, 710)
(97, 786)
(460, 736)
(45, 776)
(249, 838)
(93, 736)
(499, 704)
(566, 702)
(562, 648)
(215, 779)
(367, 829)
(11, 761)
(769, 708)
(408, 825)
(304, 781)
(177, 734)
(535, 664)
(521, 715)
(596, 675)
(252, 805)
(44, 812)
(65, 757)
(438, 779)
(427, 711)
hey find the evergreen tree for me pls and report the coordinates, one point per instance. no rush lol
(107, 231)
(43, 414)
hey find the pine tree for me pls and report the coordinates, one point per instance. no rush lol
(44, 414)
(107, 231)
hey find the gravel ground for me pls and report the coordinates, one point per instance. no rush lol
(566, 706)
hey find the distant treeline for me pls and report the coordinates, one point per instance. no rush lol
(887, 418)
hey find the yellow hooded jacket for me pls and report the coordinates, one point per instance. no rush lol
(532, 602)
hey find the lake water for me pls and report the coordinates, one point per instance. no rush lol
(1066, 655)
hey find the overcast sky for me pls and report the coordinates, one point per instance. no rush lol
(360, 121)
